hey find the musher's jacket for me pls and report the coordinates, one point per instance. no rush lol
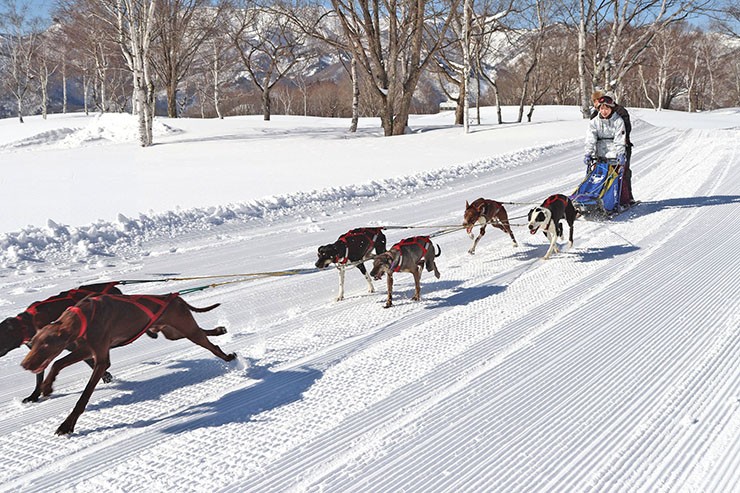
(605, 137)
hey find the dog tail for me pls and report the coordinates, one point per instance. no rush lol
(200, 310)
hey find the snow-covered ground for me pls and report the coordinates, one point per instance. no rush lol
(613, 366)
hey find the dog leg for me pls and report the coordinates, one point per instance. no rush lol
(389, 285)
(107, 377)
(481, 232)
(34, 397)
(370, 287)
(101, 366)
(190, 330)
(552, 236)
(74, 357)
(218, 331)
(507, 229)
(340, 297)
(417, 283)
(570, 236)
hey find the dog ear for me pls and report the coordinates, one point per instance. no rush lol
(467, 205)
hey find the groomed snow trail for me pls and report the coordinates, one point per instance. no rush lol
(610, 367)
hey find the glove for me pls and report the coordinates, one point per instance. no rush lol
(588, 159)
(622, 159)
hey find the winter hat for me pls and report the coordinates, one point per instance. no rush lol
(596, 95)
(606, 100)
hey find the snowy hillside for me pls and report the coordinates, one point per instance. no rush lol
(613, 366)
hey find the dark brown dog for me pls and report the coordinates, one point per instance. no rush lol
(19, 330)
(98, 323)
(483, 212)
(408, 255)
(353, 246)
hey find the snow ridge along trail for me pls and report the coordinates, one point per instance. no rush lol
(610, 367)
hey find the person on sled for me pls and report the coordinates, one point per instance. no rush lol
(626, 197)
(606, 139)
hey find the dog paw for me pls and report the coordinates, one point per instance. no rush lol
(388, 305)
(339, 298)
(107, 377)
(220, 330)
(471, 251)
(32, 398)
(65, 428)
(515, 244)
(231, 357)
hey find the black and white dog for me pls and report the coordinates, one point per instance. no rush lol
(548, 216)
(353, 246)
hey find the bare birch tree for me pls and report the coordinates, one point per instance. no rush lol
(133, 22)
(19, 50)
(182, 26)
(393, 44)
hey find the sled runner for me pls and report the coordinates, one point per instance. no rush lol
(597, 197)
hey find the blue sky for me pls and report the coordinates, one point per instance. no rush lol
(40, 7)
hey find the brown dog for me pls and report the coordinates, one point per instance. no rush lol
(19, 330)
(98, 323)
(483, 212)
(409, 255)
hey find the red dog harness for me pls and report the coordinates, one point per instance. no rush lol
(156, 307)
(555, 198)
(370, 233)
(71, 297)
(551, 200)
(417, 240)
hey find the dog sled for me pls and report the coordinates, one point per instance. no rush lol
(597, 197)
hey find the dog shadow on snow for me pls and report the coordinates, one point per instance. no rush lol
(461, 295)
(272, 390)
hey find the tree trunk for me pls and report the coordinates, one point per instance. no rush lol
(172, 98)
(582, 78)
(355, 96)
(20, 109)
(266, 110)
(64, 85)
(498, 104)
(216, 89)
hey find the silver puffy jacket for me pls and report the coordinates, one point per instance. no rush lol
(605, 137)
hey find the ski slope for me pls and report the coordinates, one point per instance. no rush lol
(613, 366)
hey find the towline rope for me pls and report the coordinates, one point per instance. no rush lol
(249, 276)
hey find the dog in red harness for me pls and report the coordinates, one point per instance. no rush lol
(408, 255)
(97, 323)
(18, 330)
(353, 246)
(483, 212)
(548, 216)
